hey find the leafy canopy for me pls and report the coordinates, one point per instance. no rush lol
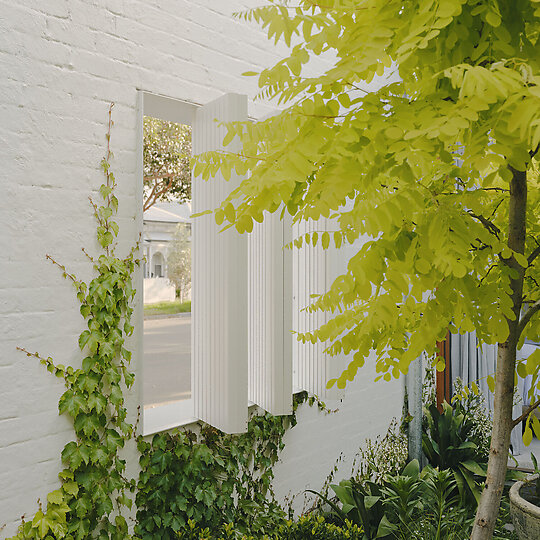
(166, 153)
(419, 168)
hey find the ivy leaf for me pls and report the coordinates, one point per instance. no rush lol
(97, 402)
(125, 500)
(55, 497)
(106, 348)
(113, 440)
(129, 378)
(88, 363)
(66, 474)
(105, 190)
(71, 403)
(58, 525)
(41, 523)
(83, 339)
(116, 397)
(121, 524)
(114, 227)
(71, 488)
(181, 503)
(89, 382)
(205, 454)
(84, 451)
(98, 454)
(161, 459)
(89, 339)
(88, 424)
(82, 505)
(72, 456)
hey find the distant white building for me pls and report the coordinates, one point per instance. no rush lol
(159, 223)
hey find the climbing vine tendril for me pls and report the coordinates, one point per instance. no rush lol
(94, 487)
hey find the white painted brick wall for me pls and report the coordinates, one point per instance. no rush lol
(61, 63)
(314, 445)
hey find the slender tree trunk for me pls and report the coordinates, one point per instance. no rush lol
(488, 507)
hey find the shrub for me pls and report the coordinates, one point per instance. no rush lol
(473, 404)
(313, 527)
(209, 480)
(382, 456)
(447, 444)
(310, 527)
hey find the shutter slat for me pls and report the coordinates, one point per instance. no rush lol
(270, 321)
(314, 270)
(219, 284)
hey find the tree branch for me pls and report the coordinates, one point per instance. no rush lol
(535, 308)
(537, 285)
(528, 411)
(150, 200)
(487, 273)
(155, 195)
(490, 226)
(533, 255)
(158, 176)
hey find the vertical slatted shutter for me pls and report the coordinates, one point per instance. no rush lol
(314, 270)
(270, 315)
(219, 276)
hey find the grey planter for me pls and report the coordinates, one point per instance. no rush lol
(525, 515)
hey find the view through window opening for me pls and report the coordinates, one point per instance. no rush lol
(167, 227)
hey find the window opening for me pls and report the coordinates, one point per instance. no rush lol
(218, 352)
(167, 351)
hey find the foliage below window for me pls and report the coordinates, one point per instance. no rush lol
(211, 479)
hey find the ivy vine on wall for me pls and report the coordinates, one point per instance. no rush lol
(93, 486)
(211, 480)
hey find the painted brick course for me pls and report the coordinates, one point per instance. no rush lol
(61, 63)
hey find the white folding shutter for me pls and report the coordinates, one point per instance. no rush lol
(314, 270)
(270, 315)
(219, 277)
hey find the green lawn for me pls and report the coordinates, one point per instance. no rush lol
(167, 308)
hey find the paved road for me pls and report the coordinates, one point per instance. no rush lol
(167, 360)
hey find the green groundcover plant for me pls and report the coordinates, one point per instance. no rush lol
(310, 527)
(209, 482)
(411, 505)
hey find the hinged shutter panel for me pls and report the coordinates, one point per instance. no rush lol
(270, 315)
(219, 276)
(314, 270)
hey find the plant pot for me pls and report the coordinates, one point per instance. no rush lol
(525, 514)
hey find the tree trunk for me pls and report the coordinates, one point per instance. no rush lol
(488, 507)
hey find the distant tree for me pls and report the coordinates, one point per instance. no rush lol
(166, 154)
(179, 260)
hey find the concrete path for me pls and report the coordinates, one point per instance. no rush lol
(167, 360)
